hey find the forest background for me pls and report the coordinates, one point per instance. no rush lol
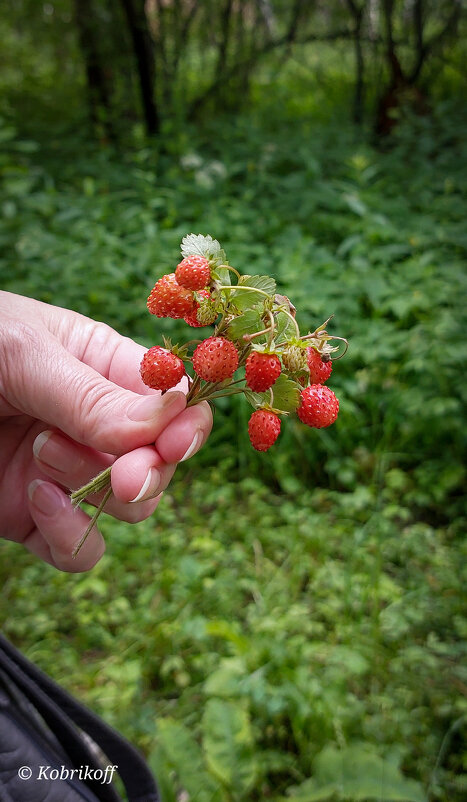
(289, 625)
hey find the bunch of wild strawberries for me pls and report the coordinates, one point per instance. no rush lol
(255, 329)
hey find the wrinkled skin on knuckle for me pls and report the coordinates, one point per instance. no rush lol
(95, 405)
(21, 353)
(97, 347)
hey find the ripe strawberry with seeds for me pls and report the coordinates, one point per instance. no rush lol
(215, 359)
(319, 371)
(318, 406)
(161, 369)
(168, 299)
(193, 272)
(263, 429)
(261, 371)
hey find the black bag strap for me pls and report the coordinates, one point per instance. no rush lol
(61, 712)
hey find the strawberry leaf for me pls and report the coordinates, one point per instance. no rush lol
(255, 399)
(285, 328)
(221, 274)
(246, 298)
(201, 245)
(247, 323)
(264, 283)
(286, 394)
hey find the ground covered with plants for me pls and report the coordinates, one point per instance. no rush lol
(288, 625)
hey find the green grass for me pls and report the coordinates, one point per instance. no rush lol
(320, 605)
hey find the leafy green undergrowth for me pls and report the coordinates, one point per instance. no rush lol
(301, 634)
(241, 635)
(375, 238)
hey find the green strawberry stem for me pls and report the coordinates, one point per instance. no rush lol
(100, 482)
(236, 287)
(193, 391)
(286, 312)
(222, 393)
(229, 267)
(214, 390)
(95, 517)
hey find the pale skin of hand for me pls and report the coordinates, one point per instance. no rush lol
(72, 403)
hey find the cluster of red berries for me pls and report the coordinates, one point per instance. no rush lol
(175, 296)
(255, 330)
(196, 293)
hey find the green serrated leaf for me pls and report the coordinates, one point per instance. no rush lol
(286, 394)
(228, 745)
(255, 399)
(225, 681)
(285, 328)
(247, 323)
(185, 757)
(162, 769)
(222, 274)
(358, 773)
(246, 298)
(203, 245)
(264, 283)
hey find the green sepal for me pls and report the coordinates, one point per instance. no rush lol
(178, 350)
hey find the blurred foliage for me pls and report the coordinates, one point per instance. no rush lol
(193, 59)
(288, 625)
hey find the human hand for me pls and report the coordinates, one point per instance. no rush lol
(72, 403)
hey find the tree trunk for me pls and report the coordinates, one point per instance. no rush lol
(144, 55)
(357, 14)
(97, 87)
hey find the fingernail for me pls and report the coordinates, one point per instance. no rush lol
(149, 407)
(193, 447)
(205, 410)
(40, 441)
(46, 497)
(149, 487)
(56, 452)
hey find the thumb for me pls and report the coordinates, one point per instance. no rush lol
(40, 378)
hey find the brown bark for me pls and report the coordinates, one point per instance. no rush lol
(97, 85)
(357, 12)
(144, 57)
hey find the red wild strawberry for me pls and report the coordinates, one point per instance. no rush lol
(193, 272)
(204, 312)
(215, 359)
(169, 299)
(261, 371)
(263, 429)
(318, 407)
(319, 371)
(160, 369)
